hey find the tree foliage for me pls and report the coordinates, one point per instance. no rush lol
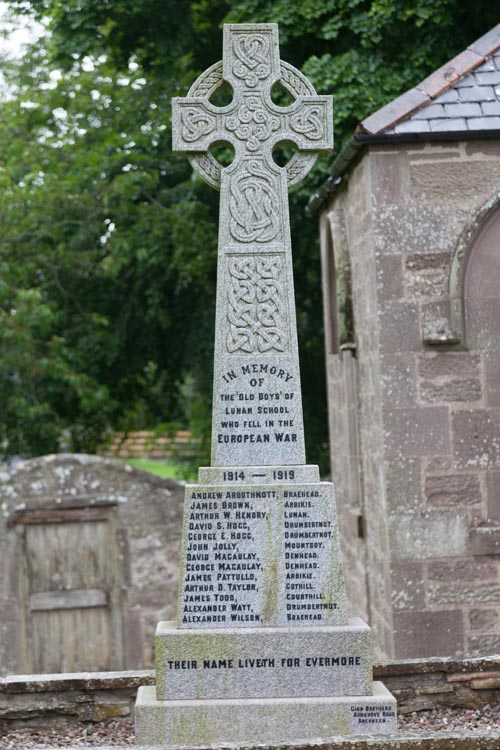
(107, 253)
(109, 243)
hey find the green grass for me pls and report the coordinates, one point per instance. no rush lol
(159, 467)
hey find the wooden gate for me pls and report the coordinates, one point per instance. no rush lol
(70, 590)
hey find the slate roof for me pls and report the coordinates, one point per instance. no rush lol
(463, 95)
(473, 103)
(461, 99)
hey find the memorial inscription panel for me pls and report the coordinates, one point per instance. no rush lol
(272, 662)
(260, 555)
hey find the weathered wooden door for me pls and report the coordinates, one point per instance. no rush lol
(70, 589)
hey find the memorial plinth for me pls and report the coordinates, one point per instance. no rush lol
(262, 650)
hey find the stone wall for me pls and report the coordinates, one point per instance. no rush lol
(365, 427)
(144, 514)
(38, 700)
(428, 396)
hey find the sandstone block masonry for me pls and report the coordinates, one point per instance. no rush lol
(419, 224)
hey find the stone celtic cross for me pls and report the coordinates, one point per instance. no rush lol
(257, 409)
(262, 651)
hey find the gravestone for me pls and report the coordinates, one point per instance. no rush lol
(262, 650)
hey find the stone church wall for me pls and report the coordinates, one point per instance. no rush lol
(428, 407)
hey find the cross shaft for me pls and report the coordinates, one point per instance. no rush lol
(257, 411)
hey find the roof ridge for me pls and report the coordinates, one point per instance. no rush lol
(433, 86)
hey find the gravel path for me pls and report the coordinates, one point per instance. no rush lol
(115, 733)
(75, 735)
(452, 719)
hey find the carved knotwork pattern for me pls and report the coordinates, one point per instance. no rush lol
(252, 204)
(309, 123)
(256, 305)
(196, 124)
(251, 58)
(208, 82)
(296, 83)
(252, 123)
(293, 80)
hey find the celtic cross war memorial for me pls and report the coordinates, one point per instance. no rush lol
(262, 650)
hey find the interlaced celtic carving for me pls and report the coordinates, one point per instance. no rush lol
(206, 165)
(256, 305)
(208, 82)
(252, 204)
(252, 123)
(251, 61)
(309, 122)
(294, 81)
(196, 124)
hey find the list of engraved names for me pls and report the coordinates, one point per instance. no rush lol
(249, 549)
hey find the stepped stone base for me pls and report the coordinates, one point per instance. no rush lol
(184, 723)
(264, 662)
